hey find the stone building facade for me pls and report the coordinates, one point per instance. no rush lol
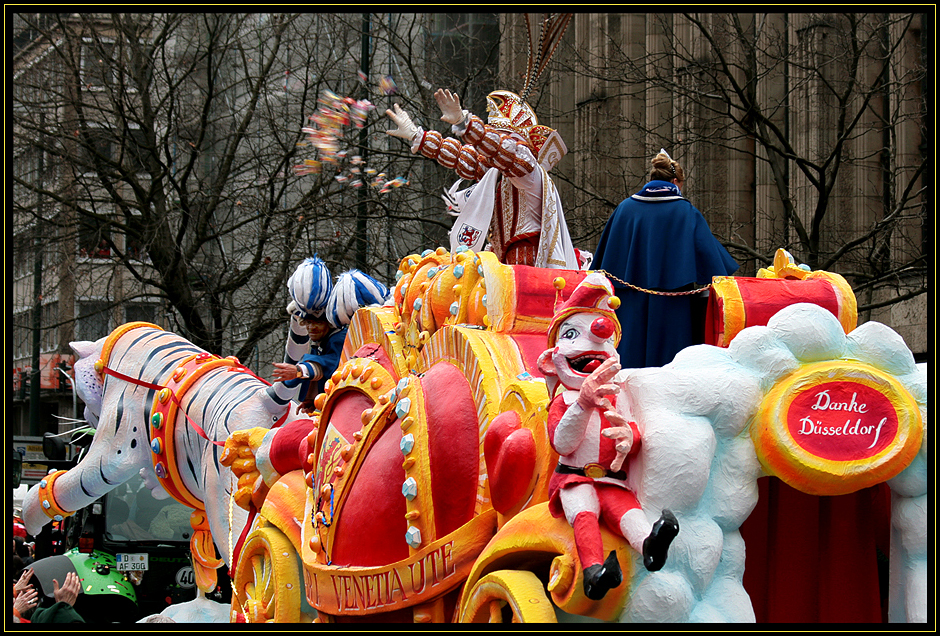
(787, 139)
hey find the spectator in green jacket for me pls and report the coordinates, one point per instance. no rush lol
(62, 611)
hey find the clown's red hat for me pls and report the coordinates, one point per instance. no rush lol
(593, 295)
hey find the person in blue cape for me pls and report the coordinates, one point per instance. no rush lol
(657, 240)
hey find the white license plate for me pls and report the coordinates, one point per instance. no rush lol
(132, 562)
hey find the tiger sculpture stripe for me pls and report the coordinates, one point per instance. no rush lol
(120, 379)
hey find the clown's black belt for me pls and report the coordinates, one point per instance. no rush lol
(594, 471)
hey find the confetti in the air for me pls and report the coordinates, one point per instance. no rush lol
(388, 85)
(335, 116)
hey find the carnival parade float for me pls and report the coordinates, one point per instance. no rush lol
(479, 456)
(420, 487)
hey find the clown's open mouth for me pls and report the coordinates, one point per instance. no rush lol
(586, 363)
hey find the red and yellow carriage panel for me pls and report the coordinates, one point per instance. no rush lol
(396, 506)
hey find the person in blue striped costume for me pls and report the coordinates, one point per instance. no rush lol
(320, 315)
(278, 451)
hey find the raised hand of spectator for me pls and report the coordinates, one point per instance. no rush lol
(23, 582)
(26, 600)
(69, 590)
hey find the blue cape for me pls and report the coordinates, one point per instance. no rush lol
(657, 240)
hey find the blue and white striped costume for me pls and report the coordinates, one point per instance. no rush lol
(309, 286)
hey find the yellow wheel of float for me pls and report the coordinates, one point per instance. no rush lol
(268, 586)
(508, 596)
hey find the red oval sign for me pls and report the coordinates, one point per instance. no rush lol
(837, 426)
(842, 421)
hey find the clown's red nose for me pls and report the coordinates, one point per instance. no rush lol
(603, 328)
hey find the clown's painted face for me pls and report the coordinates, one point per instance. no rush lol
(585, 341)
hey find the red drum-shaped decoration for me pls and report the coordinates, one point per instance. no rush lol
(521, 299)
(736, 302)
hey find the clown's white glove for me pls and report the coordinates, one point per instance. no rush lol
(597, 386)
(406, 128)
(449, 104)
(623, 439)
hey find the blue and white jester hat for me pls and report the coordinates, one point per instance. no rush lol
(310, 286)
(353, 290)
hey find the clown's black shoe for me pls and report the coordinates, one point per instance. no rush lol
(600, 578)
(656, 546)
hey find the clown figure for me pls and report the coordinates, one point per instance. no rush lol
(593, 438)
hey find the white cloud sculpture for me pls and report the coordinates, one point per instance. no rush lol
(699, 461)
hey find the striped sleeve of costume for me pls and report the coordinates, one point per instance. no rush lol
(298, 345)
(499, 149)
(487, 148)
(298, 342)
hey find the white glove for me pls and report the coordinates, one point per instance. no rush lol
(406, 129)
(623, 441)
(449, 104)
(295, 311)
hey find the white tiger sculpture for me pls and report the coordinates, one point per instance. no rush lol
(149, 393)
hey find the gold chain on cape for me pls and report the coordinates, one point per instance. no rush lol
(653, 291)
